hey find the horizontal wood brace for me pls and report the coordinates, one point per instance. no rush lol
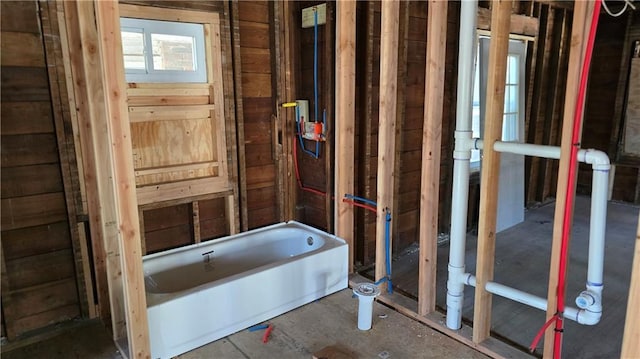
(178, 167)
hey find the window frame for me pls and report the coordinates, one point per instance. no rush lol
(148, 27)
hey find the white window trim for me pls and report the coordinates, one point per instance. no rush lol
(148, 27)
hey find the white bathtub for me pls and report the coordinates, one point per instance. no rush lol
(204, 292)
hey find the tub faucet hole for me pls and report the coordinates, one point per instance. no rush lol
(310, 241)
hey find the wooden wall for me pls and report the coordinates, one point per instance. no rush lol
(257, 106)
(39, 284)
(411, 77)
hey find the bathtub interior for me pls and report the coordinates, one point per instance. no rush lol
(187, 269)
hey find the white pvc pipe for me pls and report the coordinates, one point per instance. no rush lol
(581, 316)
(461, 157)
(590, 300)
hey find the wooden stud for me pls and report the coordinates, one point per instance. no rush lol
(498, 49)
(387, 128)
(119, 131)
(431, 148)
(86, 271)
(231, 212)
(630, 342)
(82, 45)
(518, 24)
(195, 213)
(579, 33)
(239, 110)
(143, 239)
(345, 120)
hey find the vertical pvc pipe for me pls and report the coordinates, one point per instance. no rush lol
(461, 157)
(597, 227)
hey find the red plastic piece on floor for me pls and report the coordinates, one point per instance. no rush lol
(265, 337)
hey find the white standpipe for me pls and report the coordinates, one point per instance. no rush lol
(365, 292)
(461, 157)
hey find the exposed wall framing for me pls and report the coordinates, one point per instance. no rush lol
(431, 144)
(345, 118)
(499, 47)
(579, 33)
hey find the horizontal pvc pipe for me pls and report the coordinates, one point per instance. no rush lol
(581, 316)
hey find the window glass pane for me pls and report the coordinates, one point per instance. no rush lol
(173, 52)
(512, 69)
(133, 50)
(510, 127)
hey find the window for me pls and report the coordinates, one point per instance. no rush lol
(163, 51)
(513, 96)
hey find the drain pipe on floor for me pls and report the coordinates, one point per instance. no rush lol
(461, 157)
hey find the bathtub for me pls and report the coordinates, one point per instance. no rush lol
(203, 292)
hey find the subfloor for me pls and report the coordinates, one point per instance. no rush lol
(522, 261)
(331, 321)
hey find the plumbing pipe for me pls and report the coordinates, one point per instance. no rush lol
(365, 292)
(361, 199)
(461, 157)
(582, 316)
(589, 300)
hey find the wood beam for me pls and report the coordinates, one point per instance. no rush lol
(87, 83)
(345, 120)
(387, 127)
(630, 342)
(431, 143)
(119, 134)
(579, 33)
(518, 24)
(498, 50)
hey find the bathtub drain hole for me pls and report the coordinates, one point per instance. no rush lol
(310, 241)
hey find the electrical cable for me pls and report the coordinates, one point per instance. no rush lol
(606, 8)
(572, 173)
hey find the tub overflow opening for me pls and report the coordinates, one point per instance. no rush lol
(310, 241)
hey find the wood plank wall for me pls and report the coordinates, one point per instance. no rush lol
(410, 121)
(39, 282)
(258, 104)
(600, 107)
(311, 207)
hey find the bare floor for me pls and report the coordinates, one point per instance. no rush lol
(522, 261)
(331, 321)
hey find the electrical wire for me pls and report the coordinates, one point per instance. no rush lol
(569, 199)
(606, 8)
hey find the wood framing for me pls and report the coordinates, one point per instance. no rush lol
(579, 34)
(189, 116)
(95, 144)
(431, 143)
(387, 128)
(345, 121)
(127, 221)
(630, 342)
(518, 24)
(498, 49)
